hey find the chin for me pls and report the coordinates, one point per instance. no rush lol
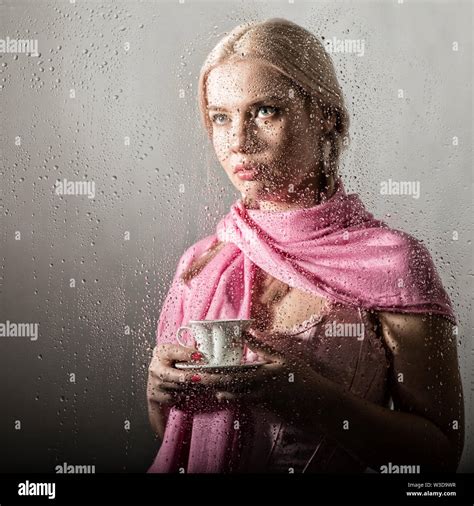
(254, 189)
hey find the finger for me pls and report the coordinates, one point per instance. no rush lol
(176, 353)
(155, 395)
(253, 394)
(168, 386)
(234, 381)
(161, 398)
(167, 374)
(169, 398)
(215, 380)
(166, 349)
(191, 377)
(155, 388)
(227, 396)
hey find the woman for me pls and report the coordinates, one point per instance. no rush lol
(349, 314)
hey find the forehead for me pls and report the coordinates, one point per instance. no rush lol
(238, 82)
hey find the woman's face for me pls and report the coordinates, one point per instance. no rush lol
(262, 133)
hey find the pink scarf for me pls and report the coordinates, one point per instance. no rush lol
(336, 250)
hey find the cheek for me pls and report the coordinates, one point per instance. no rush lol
(272, 134)
(280, 136)
(220, 142)
(295, 137)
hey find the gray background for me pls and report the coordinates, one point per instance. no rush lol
(136, 93)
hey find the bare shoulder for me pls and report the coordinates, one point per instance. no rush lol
(411, 330)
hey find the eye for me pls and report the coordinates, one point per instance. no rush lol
(266, 111)
(219, 118)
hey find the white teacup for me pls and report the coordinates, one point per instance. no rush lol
(220, 341)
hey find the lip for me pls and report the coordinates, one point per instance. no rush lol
(246, 175)
(244, 167)
(245, 171)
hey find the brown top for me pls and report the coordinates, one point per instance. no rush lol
(343, 344)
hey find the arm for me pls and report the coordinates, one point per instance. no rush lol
(157, 418)
(426, 427)
(190, 264)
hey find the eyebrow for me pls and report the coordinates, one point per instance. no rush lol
(258, 100)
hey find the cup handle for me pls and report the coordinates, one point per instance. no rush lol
(178, 335)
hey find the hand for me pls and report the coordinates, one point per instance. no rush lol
(278, 385)
(166, 384)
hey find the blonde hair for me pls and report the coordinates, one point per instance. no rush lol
(300, 56)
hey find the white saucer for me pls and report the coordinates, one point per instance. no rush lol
(218, 368)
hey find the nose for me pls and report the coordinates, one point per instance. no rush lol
(242, 137)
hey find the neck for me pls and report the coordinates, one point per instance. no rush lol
(301, 202)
